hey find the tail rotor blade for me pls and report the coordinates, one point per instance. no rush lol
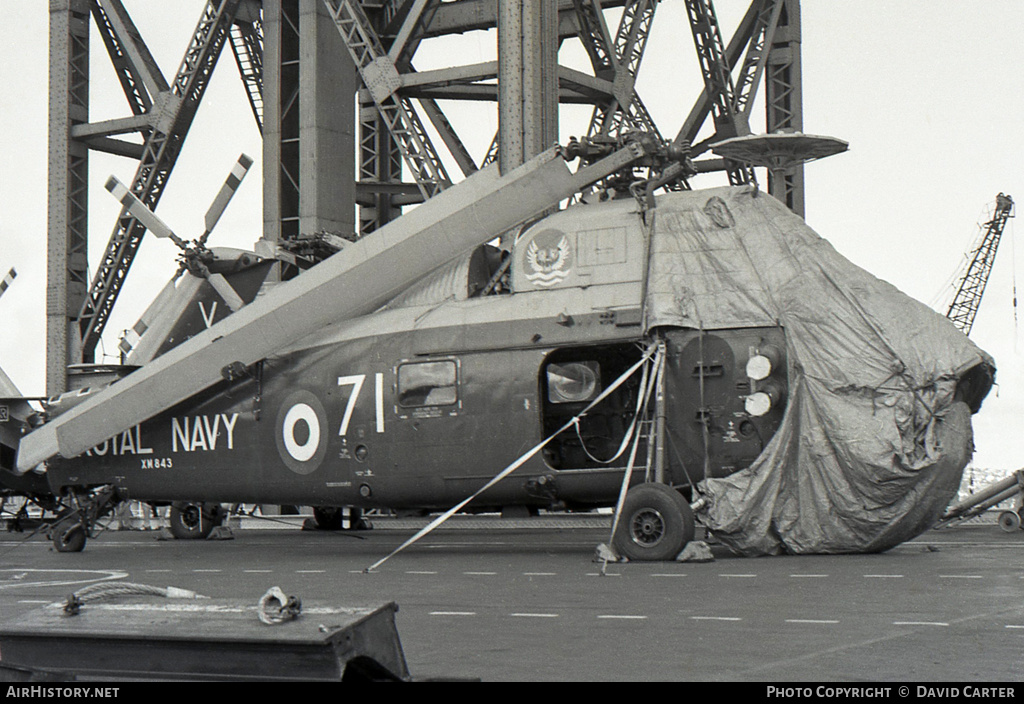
(8, 280)
(238, 172)
(230, 296)
(138, 210)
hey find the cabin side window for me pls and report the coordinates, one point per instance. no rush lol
(570, 379)
(573, 382)
(427, 384)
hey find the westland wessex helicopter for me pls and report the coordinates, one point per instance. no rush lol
(696, 355)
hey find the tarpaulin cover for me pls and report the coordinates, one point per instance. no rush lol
(874, 439)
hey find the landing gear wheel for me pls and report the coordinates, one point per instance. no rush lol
(328, 517)
(656, 523)
(68, 536)
(193, 521)
(1009, 521)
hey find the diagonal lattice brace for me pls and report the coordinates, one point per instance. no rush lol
(620, 62)
(173, 112)
(718, 83)
(382, 79)
(247, 46)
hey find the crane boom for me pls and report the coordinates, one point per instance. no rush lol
(972, 284)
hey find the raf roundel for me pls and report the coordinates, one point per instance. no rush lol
(302, 432)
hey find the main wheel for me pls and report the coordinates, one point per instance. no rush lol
(328, 517)
(193, 521)
(656, 523)
(68, 535)
(1009, 521)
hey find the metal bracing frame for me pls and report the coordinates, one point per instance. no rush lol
(168, 122)
(619, 63)
(382, 37)
(247, 46)
(289, 173)
(67, 191)
(381, 77)
(784, 100)
(718, 82)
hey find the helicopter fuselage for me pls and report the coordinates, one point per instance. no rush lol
(417, 407)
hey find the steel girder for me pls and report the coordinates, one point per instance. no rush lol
(67, 187)
(784, 101)
(247, 46)
(382, 37)
(170, 117)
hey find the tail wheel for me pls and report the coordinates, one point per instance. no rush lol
(656, 523)
(194, 521)
(1009, 521)
(68, 535)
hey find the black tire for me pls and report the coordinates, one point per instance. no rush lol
(328, 517)
(193, 521)
(1009, 521)
(68, 536)
(656, 523)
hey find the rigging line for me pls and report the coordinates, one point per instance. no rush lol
(517, 463)
(647, 384)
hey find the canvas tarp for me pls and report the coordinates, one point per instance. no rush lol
(873, 442)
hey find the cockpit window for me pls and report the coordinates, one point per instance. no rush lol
(427, 384)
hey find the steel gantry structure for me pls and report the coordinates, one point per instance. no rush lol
(971, 284)
(352, 132)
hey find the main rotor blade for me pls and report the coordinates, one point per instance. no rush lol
(230, 296)
(238, 172)
(138, 210)
(356, 281)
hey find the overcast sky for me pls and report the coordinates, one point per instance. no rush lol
(928, 93)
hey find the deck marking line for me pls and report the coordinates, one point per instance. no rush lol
(539, 574)
(482, 574)
(808, 575)
(961, 576)
(453, 613)
(811, 620)
(716, 618)
(919, 623)
(747, 576)
(310, 571)
(884, 576)
(522, 615)
(622, 616)
(419, 572)
(817, 654)
(663, 574)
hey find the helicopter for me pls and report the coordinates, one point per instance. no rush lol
(691, 356)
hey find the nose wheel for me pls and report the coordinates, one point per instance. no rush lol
(656, 523)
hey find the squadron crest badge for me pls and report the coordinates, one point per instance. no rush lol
(548, 259)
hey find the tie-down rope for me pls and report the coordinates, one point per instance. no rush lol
(520, 461)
